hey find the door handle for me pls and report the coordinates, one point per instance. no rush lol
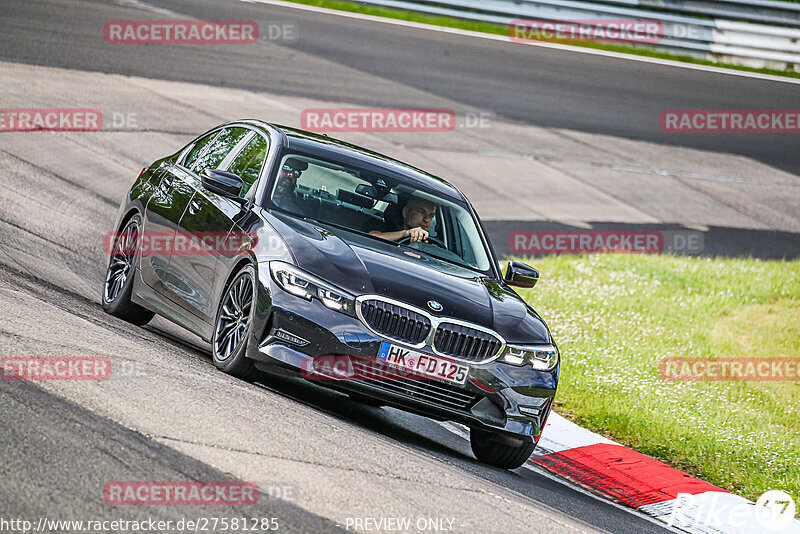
(195, 206)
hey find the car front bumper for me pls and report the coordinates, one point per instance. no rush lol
(289, 333)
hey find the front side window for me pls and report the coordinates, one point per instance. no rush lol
(218, 149)
(249, 162)
(369, 203)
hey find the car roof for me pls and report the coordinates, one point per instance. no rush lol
(341, 151)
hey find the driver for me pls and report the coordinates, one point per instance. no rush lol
(418, 216)
(284, 195)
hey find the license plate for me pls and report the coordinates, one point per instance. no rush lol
(425, 365)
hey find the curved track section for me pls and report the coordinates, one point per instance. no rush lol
(319, 458)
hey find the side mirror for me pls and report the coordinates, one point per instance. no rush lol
(521, 275)
(223, 183)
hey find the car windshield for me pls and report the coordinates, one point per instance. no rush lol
(365, 202)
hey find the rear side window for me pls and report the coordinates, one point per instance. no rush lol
(249, 162)
(218, 149)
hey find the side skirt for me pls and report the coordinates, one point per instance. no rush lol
(149, 298)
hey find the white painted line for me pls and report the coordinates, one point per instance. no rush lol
(561, 434)
(556, 46)
(137, 4)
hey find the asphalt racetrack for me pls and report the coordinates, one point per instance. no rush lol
(319, 458)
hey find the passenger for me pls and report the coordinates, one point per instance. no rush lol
(284, 196)
(418, 216)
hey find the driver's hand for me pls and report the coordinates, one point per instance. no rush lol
(418, 234)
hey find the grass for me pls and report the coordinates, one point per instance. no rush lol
(499, 29)
(616, 316)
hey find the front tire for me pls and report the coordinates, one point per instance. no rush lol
(232, 326)
(500, 451)
(118, 285)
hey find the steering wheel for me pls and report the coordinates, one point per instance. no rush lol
(434, 240)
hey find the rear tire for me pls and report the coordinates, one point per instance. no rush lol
(118, 285)
(500, 451)
(232, 326)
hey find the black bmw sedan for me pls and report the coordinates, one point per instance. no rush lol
(296, 254)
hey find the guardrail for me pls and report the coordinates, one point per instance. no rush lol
(757, 33)
(762, 11)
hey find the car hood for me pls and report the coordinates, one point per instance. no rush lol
(364, 265)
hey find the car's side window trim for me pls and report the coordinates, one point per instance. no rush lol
(274, 146)
(237, 150)
(233, 154)
(226, 162)
(254, 187)
(498, 272)
(185, 152)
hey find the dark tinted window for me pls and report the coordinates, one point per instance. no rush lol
(249, 162)
(219, 148)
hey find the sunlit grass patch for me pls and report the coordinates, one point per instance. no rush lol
(616, 316)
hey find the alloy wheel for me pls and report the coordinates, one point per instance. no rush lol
(120, 264)
(234, 316)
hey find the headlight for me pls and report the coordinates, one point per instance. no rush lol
(541, 357)
(307, 286)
